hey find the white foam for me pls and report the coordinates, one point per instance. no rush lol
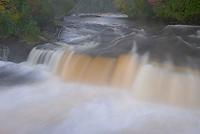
(198, 32)
(103, 15)
(54, 107)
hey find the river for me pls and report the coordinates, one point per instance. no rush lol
(108, 75)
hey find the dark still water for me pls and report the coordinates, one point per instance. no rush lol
(109, 75)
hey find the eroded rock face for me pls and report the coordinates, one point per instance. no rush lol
(4, 52)
(14, 50)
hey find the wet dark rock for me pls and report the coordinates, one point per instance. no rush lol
(18, 51)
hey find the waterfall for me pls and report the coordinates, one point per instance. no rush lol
(108, 75)
(144, 79)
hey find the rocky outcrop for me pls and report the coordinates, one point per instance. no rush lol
(13, 50)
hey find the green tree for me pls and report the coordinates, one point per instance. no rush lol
(22, 18)
(135, 8)
(185, 11)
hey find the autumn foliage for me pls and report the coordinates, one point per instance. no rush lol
(135, 8)
(183, 11)
(23, 18)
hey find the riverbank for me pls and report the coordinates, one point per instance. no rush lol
(15, 50)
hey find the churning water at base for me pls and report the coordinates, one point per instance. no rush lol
(108, 76)
(49, 106)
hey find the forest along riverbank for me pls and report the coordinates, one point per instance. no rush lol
(108, 75)
(16, 50)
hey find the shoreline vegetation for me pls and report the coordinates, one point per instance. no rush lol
(176, 11)
(26, 19)
(22, 21)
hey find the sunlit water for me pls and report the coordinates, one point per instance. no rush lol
(110, 75)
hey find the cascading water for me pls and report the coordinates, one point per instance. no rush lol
(109, 75)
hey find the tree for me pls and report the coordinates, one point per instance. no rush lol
(185, 11)
(4, 5)
(135, 8)
(23, 18)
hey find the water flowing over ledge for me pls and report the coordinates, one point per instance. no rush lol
(110, 75)
(145, 80)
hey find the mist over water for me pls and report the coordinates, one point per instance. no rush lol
(110, 75)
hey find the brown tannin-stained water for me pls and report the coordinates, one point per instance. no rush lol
(110, 75)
